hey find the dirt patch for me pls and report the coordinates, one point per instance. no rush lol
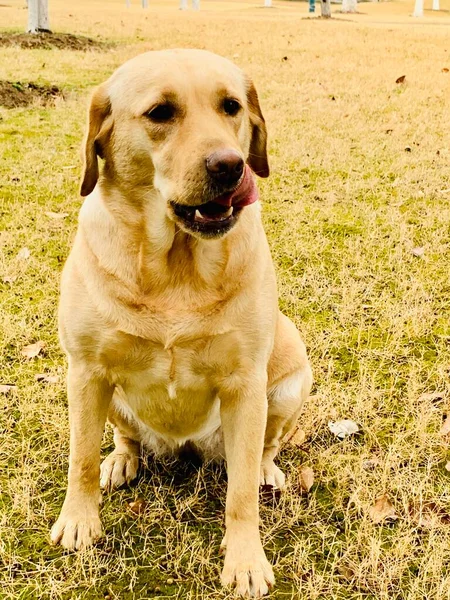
(14, 94)
(47, 41)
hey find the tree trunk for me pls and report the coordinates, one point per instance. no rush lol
(325, 7)
(418, 9)
(436, 5)
(196, 4)
(349, 6)
(268, 3)
(38, 16)
(144, 3)
(183, 5)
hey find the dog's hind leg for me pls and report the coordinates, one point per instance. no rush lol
(290, 380)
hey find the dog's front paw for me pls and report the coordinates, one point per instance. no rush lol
(77, 527)
(118, 468)
(250, 573)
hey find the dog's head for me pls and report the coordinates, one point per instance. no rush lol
(186, 124)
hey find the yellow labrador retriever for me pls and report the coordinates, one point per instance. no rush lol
(168, 309)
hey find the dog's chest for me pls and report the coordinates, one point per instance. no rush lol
(172, 391)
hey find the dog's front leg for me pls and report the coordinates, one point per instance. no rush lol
(244, 416)
(89, 395)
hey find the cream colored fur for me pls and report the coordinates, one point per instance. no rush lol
(170, 336)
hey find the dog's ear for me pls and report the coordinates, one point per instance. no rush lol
(257, 158)
(99, 128)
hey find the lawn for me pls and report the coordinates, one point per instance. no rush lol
(357, 211)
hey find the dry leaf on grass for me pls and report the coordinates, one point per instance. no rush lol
(9, 278)
(447, 466)
(445, 429)
(297, 438)
(428, 515)
(24, 254)
(137, 507)
(419, 251)
(370, 464)
(382, 510)
(445, 70)
(5, 388)
(306, 479)
(346, 572)
(33, 350)
(344, 428)
(56, 216)
(46, 378)
(434, 397)
(400, 79)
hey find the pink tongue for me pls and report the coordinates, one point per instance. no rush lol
(245, 194)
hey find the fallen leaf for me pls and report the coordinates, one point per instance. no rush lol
(433, 397)
(428, 514)
(382, 510)
(370, 464)
(24, 254)
(46, 378)
(445, 70)
(5, 388)
(306, 479)
(344, 428)
(138, 506)
(9, 278)
(445, 429)
(33, 350)
(447, 466)
(297, 438)
(419, 251)
(400, 79)
(346, 572)
(55, 215)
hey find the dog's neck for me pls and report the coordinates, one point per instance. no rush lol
(134, 241)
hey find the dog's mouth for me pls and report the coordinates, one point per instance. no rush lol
(218, 216)
(210, 218)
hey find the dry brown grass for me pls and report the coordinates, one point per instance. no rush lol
(344, 207)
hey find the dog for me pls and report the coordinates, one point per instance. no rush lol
(168, 311)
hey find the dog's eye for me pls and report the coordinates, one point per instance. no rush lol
(231, 107)
(161, 113)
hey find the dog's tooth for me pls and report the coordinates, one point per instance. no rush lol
(229, 212)
(198, 215)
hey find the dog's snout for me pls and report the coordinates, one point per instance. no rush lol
(225, 166)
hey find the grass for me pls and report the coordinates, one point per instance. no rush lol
(361, 176)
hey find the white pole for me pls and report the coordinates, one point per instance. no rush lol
(144, 3)
(349, 6)
(268, 3)
(436, 5)
(196, 4)
(418, 9)
(325, 8)
(128, 3)
(183, 5)
(38, 16)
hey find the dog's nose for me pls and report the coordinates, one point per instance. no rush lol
(225, 166)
